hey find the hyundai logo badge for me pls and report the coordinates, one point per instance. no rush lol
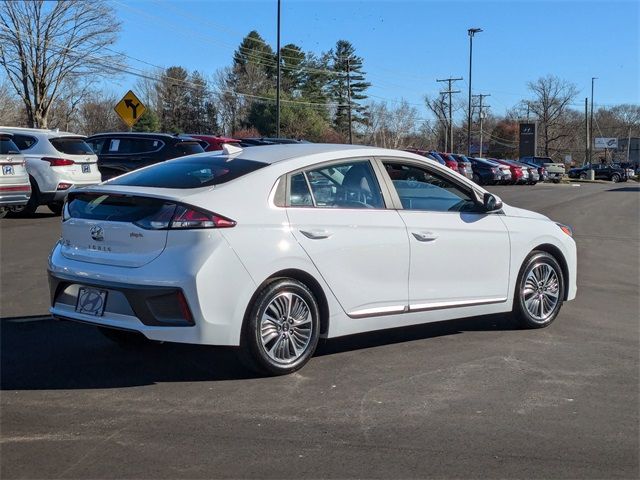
(97, 233)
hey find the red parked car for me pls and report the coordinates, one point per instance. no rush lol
(211, 143)
(450, 162)
(517, 173)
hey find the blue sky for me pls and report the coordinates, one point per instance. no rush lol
(406, 45)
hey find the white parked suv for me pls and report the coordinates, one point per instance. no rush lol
(15, 188)
(57, 162)
(270, 248)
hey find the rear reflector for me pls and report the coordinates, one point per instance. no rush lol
(64, 186)
(20, 188)
(58, 162)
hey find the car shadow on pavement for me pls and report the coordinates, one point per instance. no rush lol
(625, 189)
(46, 354)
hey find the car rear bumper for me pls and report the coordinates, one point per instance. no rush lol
(146, 299)
(14, 195)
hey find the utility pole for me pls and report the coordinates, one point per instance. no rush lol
(450, 92)
(278, 78)
(349, 99)
(481, 97)
(471, 32)
(629, 146)
(591, 123)
(586, 131)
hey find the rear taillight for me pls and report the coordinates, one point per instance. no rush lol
(180, 217)
(64, 186)
(58, 162)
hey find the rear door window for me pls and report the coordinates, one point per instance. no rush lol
(190, 172)
(346, 185)
(188, 148)
(134, 145)
(7, 146)
(71, 145)
(24, 142)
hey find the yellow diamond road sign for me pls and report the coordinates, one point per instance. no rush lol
(130, 109)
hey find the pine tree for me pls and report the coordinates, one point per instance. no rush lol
(173, 93)
(347, 64)
(148, 122)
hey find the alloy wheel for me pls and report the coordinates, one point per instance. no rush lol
(540, 292)
(286, 328)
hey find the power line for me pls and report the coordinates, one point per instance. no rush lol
(450, 92)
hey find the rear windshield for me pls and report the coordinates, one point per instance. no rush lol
(190, 172)
(71, 146)
(189, 148)
(115, 208)
(7, 146)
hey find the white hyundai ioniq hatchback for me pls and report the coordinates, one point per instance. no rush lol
(270, 248)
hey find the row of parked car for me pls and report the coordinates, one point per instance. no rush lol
(40, 166)
(492, 171)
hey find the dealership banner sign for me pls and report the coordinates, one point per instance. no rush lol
(528, 139)
(603, 143)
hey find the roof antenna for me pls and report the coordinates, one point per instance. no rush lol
(229, 149)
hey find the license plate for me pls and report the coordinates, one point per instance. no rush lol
(91, 301)
(7, 169)
(86, 168)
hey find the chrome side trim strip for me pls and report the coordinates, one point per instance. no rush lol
(461, 303)
(372, 312)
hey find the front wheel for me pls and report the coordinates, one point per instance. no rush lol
(583, 176)
(539, 291)
(615, 178)
(476, 178)
(556, 180)
(281, 333)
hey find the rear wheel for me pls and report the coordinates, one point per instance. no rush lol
(281, 333)
(55, 207)
(583, 176)
(3, 212)
(556, 180)
(615, 178)
(539, 291)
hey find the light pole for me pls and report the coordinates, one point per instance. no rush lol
(278, 79)
(471, 32)
(591, 142)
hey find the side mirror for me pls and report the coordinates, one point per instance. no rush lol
(491, 202)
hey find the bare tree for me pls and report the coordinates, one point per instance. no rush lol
(553, 97)
(439, 108)
(10, 111)
(45, 44)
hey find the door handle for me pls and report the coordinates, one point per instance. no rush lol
(425, 236)
(316, 234)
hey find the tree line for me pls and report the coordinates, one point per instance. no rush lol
(59, 66)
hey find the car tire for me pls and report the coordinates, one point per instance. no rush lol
(477, 179)
(124, 338)
(556, 180)
(539, 291)
(583, 176)
(32, 205)
(615, 178)
(3, 212)
(281, 331)
(55, 208)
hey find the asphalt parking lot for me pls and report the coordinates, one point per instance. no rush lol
(465, 399)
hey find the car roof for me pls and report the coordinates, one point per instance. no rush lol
(283, 152)
(143, 134)
(40, 131)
